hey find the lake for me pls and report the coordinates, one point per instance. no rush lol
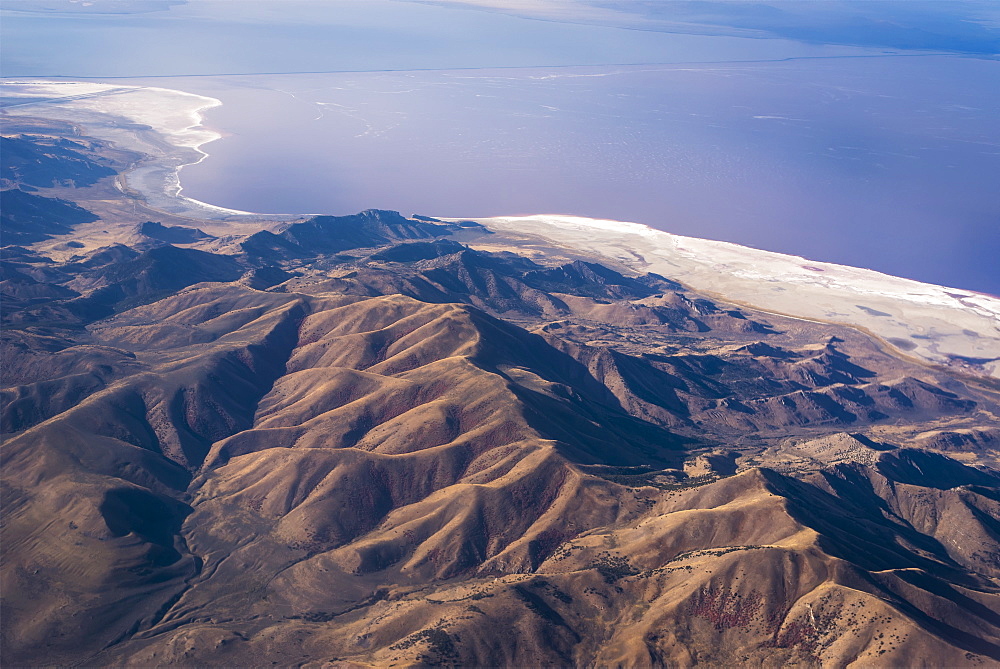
(861, 155)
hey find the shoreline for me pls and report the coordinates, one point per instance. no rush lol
(938, 324)
(164, 125)
(942, 325)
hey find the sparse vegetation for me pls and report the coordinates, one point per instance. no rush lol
(613, 567)
(203, 467)
(441, 648)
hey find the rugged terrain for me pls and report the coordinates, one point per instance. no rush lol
(373, 440)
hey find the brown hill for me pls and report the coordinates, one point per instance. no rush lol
(372, 443)
(229, 472)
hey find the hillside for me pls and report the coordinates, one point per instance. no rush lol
(374, 440)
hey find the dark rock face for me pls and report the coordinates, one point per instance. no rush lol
(360, 440)
(171, 234)
(27, 218)
(42, 163)
(332, 234)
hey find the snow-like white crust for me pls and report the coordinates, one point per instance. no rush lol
(935, 323)
(175, 116)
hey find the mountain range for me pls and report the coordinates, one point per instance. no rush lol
(378, 440)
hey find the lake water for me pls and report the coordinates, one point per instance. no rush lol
(838, 153)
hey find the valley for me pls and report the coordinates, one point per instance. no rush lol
(379, 440)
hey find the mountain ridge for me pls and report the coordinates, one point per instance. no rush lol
(377, 441)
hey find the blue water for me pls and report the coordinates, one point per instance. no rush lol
(229, 37)
(863, 155)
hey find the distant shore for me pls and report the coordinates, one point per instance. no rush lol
(932, 323)
(164, 125)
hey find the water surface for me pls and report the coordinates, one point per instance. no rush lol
(880, 156)
(889, 164)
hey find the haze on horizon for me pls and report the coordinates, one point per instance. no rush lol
(862, 133)
(237, 439)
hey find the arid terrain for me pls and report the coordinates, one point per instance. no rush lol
(373, 440)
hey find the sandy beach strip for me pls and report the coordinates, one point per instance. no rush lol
(938, 324)
(163, 124)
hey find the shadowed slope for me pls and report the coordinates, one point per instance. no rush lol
(726, 574)
(426, 454)
(29, 218)
(109, 469)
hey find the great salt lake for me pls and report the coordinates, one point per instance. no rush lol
(855, 155)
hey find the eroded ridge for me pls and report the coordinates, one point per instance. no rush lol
(376, 441)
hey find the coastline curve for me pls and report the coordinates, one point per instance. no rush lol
(164, 125)
(939, 325)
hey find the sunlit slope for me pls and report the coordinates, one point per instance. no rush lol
(365, 462)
